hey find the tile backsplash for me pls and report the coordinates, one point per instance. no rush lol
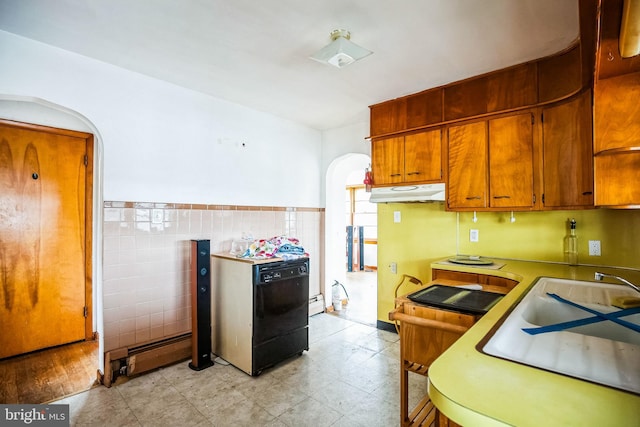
(146, 290)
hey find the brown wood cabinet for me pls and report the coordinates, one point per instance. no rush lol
(617, 141)
(616, 179)
(413, 158)
(425, 333)
(502, 90)
(521, 86)
(388, 117)
(498, 158)
(568, 154)
(424, 108)
(468, 161)
(491, 164)
(560, 75)
(511, 161)
(617, 113)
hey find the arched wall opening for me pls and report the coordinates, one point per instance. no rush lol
(41, 112)
(335, 219)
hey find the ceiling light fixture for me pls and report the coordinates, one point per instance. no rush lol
(341, 51)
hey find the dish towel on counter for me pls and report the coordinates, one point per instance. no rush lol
(279, 246)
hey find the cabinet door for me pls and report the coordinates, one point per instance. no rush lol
(467, 147)
(387, 160)
(617, 112)
(568, 154)
(423, 156)
(617, 177)
(388, 117)
(511, 161)
(617, 155)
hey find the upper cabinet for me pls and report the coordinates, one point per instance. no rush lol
(503, 90)
(520, 138)
(616, 113)
(511, 162)
(617, 141)
(405, 114)
(559, 75)
(388, 117)
(491, 164)
(413, 158)
(387, 160)
(518, 87)
(468, 150)
(567, 154)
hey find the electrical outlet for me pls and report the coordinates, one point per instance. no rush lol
(594, 248)
(394, 268)
(397, 216)
(474, 235)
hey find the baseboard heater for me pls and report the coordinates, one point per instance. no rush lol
(141, 358)
(316, 304)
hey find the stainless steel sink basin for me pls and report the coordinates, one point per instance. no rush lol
(600, 349)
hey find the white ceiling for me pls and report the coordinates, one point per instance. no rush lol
(255, 52)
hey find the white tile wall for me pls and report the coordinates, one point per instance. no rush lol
(146, 291)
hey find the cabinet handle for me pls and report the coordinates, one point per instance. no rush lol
(396, 174)
(413, 173)
(587, 193)
(501, 197)
(474, 198)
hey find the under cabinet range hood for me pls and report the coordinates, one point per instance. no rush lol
(408, 193)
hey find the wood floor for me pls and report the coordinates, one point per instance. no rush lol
(47, 375)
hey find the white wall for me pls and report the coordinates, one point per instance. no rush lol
(164, 143)
(158, 142)
(340, 141)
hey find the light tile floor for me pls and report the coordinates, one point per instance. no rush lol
(349, 377)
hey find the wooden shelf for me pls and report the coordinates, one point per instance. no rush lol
(425, 333)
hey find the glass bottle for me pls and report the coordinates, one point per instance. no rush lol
(571, 245)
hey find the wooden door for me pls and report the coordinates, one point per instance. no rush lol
(45, 235)
(423, 156)
(387, 160)
(568, 154)
(511, 161)
(467, 147)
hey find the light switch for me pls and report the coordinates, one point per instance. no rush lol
(473, 235)
(396, 216)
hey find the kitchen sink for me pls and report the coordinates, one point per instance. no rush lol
(545, 311)
(570, 327)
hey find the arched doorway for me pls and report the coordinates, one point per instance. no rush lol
(40, 112)
(339, 174)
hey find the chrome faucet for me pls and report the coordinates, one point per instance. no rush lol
(600, 276)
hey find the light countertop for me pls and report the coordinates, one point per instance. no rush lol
(475, 389)
(226, 255)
